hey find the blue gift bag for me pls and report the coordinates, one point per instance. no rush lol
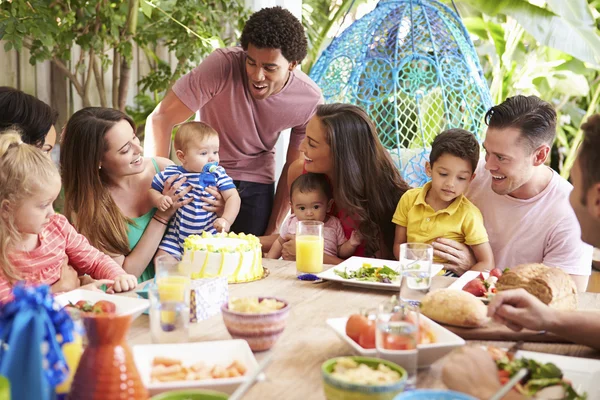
(30, 354)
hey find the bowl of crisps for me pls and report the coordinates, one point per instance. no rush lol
(362, 378)
(258, 320)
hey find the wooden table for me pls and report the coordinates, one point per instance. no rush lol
(307, 342)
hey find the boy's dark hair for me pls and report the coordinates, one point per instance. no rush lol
(533, 117)
(310, 182)
(457, 142)
(27, 114)
(589, 156)
(276, 28)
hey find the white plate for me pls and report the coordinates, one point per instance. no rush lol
(466, 278)
(125, 305)
(222, 353)
(446, 341)
(583, 373)
(354, 263)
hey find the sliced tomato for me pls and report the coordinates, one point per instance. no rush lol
(366, 339)
(504, 376)
(355, 325)
(392, 342)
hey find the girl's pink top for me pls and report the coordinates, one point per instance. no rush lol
(59, 240)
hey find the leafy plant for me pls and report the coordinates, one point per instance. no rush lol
(190, 29)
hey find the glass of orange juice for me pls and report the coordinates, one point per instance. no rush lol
(309, 247)
(170, 301)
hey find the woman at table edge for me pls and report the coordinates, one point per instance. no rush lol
(341, 142)
(106, 181)
(472, 370)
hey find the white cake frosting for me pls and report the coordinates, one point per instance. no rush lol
(237, 256)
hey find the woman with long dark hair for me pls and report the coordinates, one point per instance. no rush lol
(341, 142)
(106, 181)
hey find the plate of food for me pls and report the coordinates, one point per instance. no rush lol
(550, 376)
(220, 365)
(480, 284)
(358, 331)
(369, 273)
(102, 303)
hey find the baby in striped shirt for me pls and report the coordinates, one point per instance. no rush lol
(35, 243)
(197, 147)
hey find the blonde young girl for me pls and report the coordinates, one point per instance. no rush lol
(35, 242)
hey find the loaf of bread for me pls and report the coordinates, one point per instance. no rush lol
(454, 307)
(551, 285)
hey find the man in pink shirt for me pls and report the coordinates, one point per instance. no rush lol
(525, 204)
(249, 95)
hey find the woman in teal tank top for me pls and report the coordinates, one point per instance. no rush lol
(107, 183)
(135, 231)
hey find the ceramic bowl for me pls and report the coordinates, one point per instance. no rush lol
(261, 331)
(340, 390)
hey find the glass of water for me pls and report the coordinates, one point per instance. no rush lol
(415, 264)
(397, 337)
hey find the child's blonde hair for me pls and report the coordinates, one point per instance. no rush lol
(24, 169)
(192, 132)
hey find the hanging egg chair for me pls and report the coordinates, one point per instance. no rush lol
(412, 66)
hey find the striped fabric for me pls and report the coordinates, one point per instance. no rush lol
(191, 218)
(59, 240)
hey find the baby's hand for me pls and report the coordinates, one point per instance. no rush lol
(124, 283)
(356, 238)
(164, 203)
(221, 225)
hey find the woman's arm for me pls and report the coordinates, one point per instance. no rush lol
(138, 259)
(484, 256)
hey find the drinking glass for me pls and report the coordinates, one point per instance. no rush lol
(415, 264)
(397, 336)
(170, 301)
(309, 247)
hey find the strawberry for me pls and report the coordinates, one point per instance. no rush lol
(497, 272)
(104, 307)
(475, 287)
(84, 305)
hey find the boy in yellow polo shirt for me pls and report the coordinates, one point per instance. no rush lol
(440, 209)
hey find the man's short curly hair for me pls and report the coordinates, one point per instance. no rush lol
(276, 28)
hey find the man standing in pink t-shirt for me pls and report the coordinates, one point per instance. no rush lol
(525, 204)
(249, 95)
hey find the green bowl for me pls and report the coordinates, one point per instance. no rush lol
(340, 390)
(191, 395)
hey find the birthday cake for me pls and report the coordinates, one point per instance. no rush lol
(236, 256)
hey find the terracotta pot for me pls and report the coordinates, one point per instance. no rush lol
(107, 369)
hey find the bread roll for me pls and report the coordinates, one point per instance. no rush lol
(551, 285)
(454, 307)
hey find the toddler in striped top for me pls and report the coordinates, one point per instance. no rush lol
(36, 245)
(197, 147)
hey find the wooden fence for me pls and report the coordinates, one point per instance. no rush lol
(48, 83)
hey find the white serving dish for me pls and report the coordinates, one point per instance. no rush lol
(354, 263)
(446, 341)
(125, 305)
(222, 353)
(584, 373)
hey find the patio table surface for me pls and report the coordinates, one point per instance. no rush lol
(295, 372)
